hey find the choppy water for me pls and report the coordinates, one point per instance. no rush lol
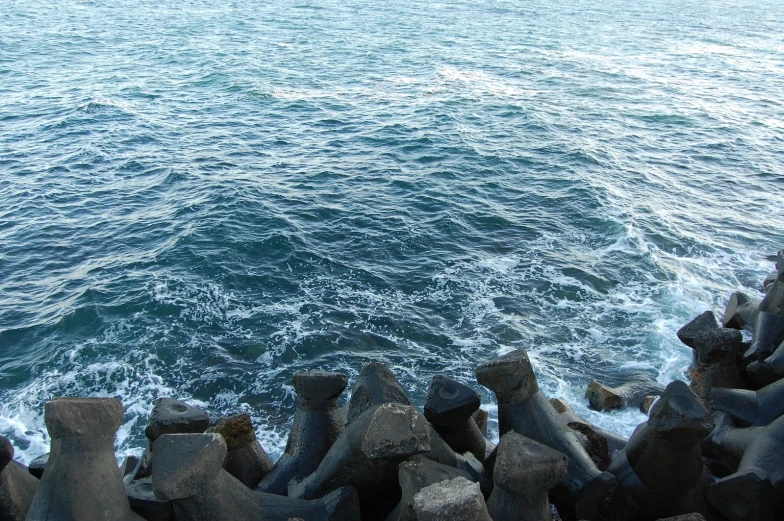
(199, 199)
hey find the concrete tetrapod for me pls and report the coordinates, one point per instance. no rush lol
(246, 459)
(716, 353)
(317, 424)
(449, 408)
(629, 394)
(740, 312)
(687, 333)
(755, 491)
(768, 334)
(773, 301)
(457, 499)
(17, 485)
(375, 385)
(726, 442)
(367, 454)
(597, 442)
(523, 408)
(82, 481)
(662, 463)
(751, 408)
(168, 416)
(188, 471)
(524, 472)
(768, 371)
(415, 474)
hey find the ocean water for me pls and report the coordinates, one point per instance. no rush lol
(199, 199)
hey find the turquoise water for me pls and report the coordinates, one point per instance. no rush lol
(199, 199)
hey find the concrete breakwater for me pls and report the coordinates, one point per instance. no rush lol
(712, 449)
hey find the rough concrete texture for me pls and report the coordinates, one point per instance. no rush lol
(740, 312)
(773, 302)
(17, 486)
(751, 408)
(246, 459)
(453, 500)
(524, 472)
(768, 334)
(716, 352)
(170, 416)
(415, 474)
(375, 385)
(317, 424)
(705, 321)
(143, 501)
(82, 480)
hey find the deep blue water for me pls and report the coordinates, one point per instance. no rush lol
(199, 199)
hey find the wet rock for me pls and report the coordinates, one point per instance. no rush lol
(416, 474)
(662, 462)
(703, 322)
(453, 500)
(751, 408)
(647, 403)
(82, 480)
(317, 424)
(375, 385)
(17, 485)
(367, 454)
(597, 442)
(716, 353)
(740, 313)
(768, 334)
(246, 459)
(524, 409)
(629, 394)
(188, 471)
(449, 408)
(754, 492)
(38, 465)
(524, 472)
(169, 416)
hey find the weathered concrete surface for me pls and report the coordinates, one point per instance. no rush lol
(457, 499)
(17, 485)
(246, 459)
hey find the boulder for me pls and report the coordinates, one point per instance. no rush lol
(246, 459)
(524, 472)
(600, 444)
(629, 394)
(17, 485)
(317, 424)
(82, 480)
(454, 500)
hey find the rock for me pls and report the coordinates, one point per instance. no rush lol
(716, 353)
(662, 462)
(416, 474)
(449, 408)
(82, 480)
(188, 470)
(454, 500)
(442, 453)
(765, 372)
(751, 408)
(480, 417)
(647, 403)
(367, 454)
(246, 459)
(768, 334)
(629, 394)
(143, 501)
(773, 302)
(524, 409)
(128, 466)
(317, 424)
(769, 280)
(740, 313)
(524, 472)
(38, 465)
(705, 321)
(597, 442)
(17, 485)
(375, 385)
(169, 416)
(753, 492)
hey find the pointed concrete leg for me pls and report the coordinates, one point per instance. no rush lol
(741, 312)
(717, 351)
(246, 459)
(753, 408)
(768, 334)
(376, 385)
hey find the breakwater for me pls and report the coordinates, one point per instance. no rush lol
(711, 449)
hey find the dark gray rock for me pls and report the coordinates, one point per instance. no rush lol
(768, 334)
(449, 408)
(629, 394)
(769, 280)
(524, 409)
(765, 372)
(188, 471)
(246, 459)
(773, 302)
(726, 442)
(375, 385)
(662, 463)
(741, 312)
(143, 501)
(17, 486)
(716, 353)
(82, 480)
(705, 321)
(600, 444)
(416, 474)
(128, 466)
(367, 454)
(457, 499)
(38, 465)
(751, 408)
(754, 492)
(317, 424)
(524, 472)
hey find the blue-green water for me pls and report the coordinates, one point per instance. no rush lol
(199, 199)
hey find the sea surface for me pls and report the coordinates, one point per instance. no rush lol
(199, 199)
